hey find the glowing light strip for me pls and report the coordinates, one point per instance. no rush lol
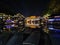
(51, 19)
(54, 29)
(51, 28)
(57, 19)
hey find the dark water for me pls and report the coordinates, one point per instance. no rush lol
(15, 39)
(55, 38)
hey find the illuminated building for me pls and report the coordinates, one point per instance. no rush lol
(32, 22)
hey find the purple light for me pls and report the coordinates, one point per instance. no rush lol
(8, 21)
(51, 19)
(8, 26)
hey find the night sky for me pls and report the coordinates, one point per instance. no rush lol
(25, 7)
